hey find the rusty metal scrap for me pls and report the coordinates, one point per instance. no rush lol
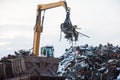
(91, 63)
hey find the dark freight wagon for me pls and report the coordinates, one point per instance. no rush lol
(29, 68)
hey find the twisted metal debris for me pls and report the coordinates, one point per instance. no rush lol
(91, 63)
(68, 28)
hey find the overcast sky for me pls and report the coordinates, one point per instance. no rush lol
(100, 19)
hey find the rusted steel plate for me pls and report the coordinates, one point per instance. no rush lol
(17, 66)
(36, 78)
(3, 70)
(46, 78)
(42, 59)
(0, 71)
(23, 67)
(41, 66)
(19, 78)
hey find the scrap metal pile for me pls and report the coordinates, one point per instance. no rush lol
(90, 63)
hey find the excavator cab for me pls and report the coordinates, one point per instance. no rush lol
(47, 51)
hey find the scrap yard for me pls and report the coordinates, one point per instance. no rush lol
(78, 62)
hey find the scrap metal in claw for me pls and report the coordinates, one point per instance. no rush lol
(67, 28)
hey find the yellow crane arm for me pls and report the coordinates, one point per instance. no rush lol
(52, 5)
(38, 27)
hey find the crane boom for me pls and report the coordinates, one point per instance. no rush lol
(38, 27)
(52, 5)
